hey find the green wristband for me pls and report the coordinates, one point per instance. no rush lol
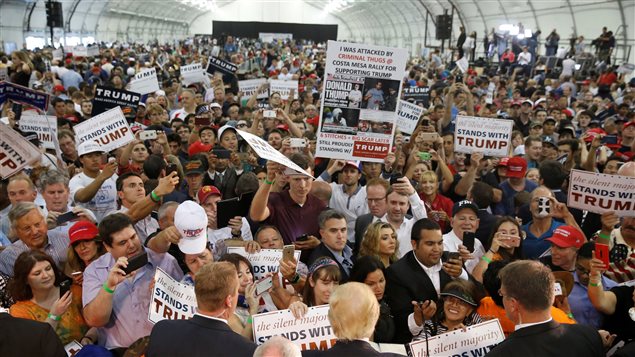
(604, 236)
(269, 182)
(154, 197)
(596, 285)
(250, 320)
(54, 317)
(107, 289)
(486, 259)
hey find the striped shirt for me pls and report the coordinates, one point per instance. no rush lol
(56, 247)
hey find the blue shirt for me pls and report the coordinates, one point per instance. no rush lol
(506, 206)
(71, 79)
(534, 246)
(581, 306)
(131, 299)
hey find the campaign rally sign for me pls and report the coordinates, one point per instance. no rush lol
(420, 95)
(267, 152)
(250, 86)
(145, 82)
(107, 98)
(491, 137)
(265, 261)
(80, 51)
(23, 95)
(171, 300)
(312, 332)
(4, 73)
(58, 54)
(109, 129)
(284, 88)
(44, 126)
(15, 152)
(193, 73)
(476, 340)
(408, 116)
(215, 64)
(361, 91)
(599, 193)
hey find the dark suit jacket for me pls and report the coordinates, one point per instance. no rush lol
(406, 282)
(21, 337)
(198, 336)
(228, 185)
(485, 225)
(361, 224)
(355, 348)
(551, 339)
(322, 251)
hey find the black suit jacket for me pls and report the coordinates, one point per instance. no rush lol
(322, 251)
(21, 337)
(485, 225)
(198, 336)
(551, 339)
(361, 224)
(406, 282)
(228, 185)
(355, 348)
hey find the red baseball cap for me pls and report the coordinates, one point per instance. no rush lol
(593, 133)
(82, 230)
(198, 147)
(206, 191)
(58, 88)
(567, 236)
(503, 161)
(516, 167)
(626, 125)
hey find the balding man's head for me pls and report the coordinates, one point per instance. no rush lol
(628, 169)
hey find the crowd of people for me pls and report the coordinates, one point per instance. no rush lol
(426, 242)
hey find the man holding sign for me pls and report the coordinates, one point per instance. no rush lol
(216, 288)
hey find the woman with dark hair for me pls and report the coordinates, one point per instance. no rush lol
(505, 244)
(324, 276)
(370, 271)
(35, 288)
(380, 241)
(84, 248)
(456, 309)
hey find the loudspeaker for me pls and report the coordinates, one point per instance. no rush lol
(444, 27)
(54, 15)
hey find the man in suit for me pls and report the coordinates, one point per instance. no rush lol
(376, 190)
(347, 304)
(333, 230)
(221, 173)
(216, 288)
(22, 337)
(414, 282)
(527, 288)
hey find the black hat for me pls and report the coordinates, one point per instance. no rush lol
(457, 293)
(464, 204)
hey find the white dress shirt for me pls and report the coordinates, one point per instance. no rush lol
(451, 243)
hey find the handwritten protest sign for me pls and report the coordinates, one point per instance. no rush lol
(359, 110)
(263, 262)
(250, 86)
(145, 82)
(492, 137)
(599, 193)
(107, 98)
(110, 130)
(44, 126)
(284, 88)
(23, 95)
(171, 300)
(266, 151)
(408, 116)
(15, 152)
(476, 340)
(312, 332)
(193, 73)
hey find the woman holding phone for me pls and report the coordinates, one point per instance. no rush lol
(505, 244)
(84, 248)
(36, 289)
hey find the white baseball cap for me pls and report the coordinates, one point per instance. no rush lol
(87, 147)
(190, 220)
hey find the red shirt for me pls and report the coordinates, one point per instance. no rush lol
(440, 203)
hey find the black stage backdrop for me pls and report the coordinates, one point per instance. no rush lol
(318, 33)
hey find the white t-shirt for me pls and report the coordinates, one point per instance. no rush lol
(104, 201)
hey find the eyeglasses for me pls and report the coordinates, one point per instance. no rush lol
(581, 270)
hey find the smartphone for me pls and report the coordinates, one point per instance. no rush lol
(243, 156)
(609, 139)
(65, 286)
(424, 156)
(425, 122)
(302, 238)
(222, 153)
(429, 136)
(468, 240)
(394, 178)
(512, 241)
(544, 206)
(454, 255)
(65, 217)
(136, 262)
(602, 253)
(202, 120)
(170, 169)
(288, 252)
(297, 142)
(269, 113)
(148, 135)
(264, 285)
(557, 289)
(17, 109)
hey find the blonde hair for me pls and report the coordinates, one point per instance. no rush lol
(372, 237)
(353, 311)
(429, 175)
(214, 283)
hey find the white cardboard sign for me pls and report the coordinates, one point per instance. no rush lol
(476, 340)
(171, 300)
(263, 262)
(284, 88)
(145, 82)
(266, 151)
(44, 125)
(491, 137)
(15, 152)
(599, 193)
(109, 129)
(408, 116)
